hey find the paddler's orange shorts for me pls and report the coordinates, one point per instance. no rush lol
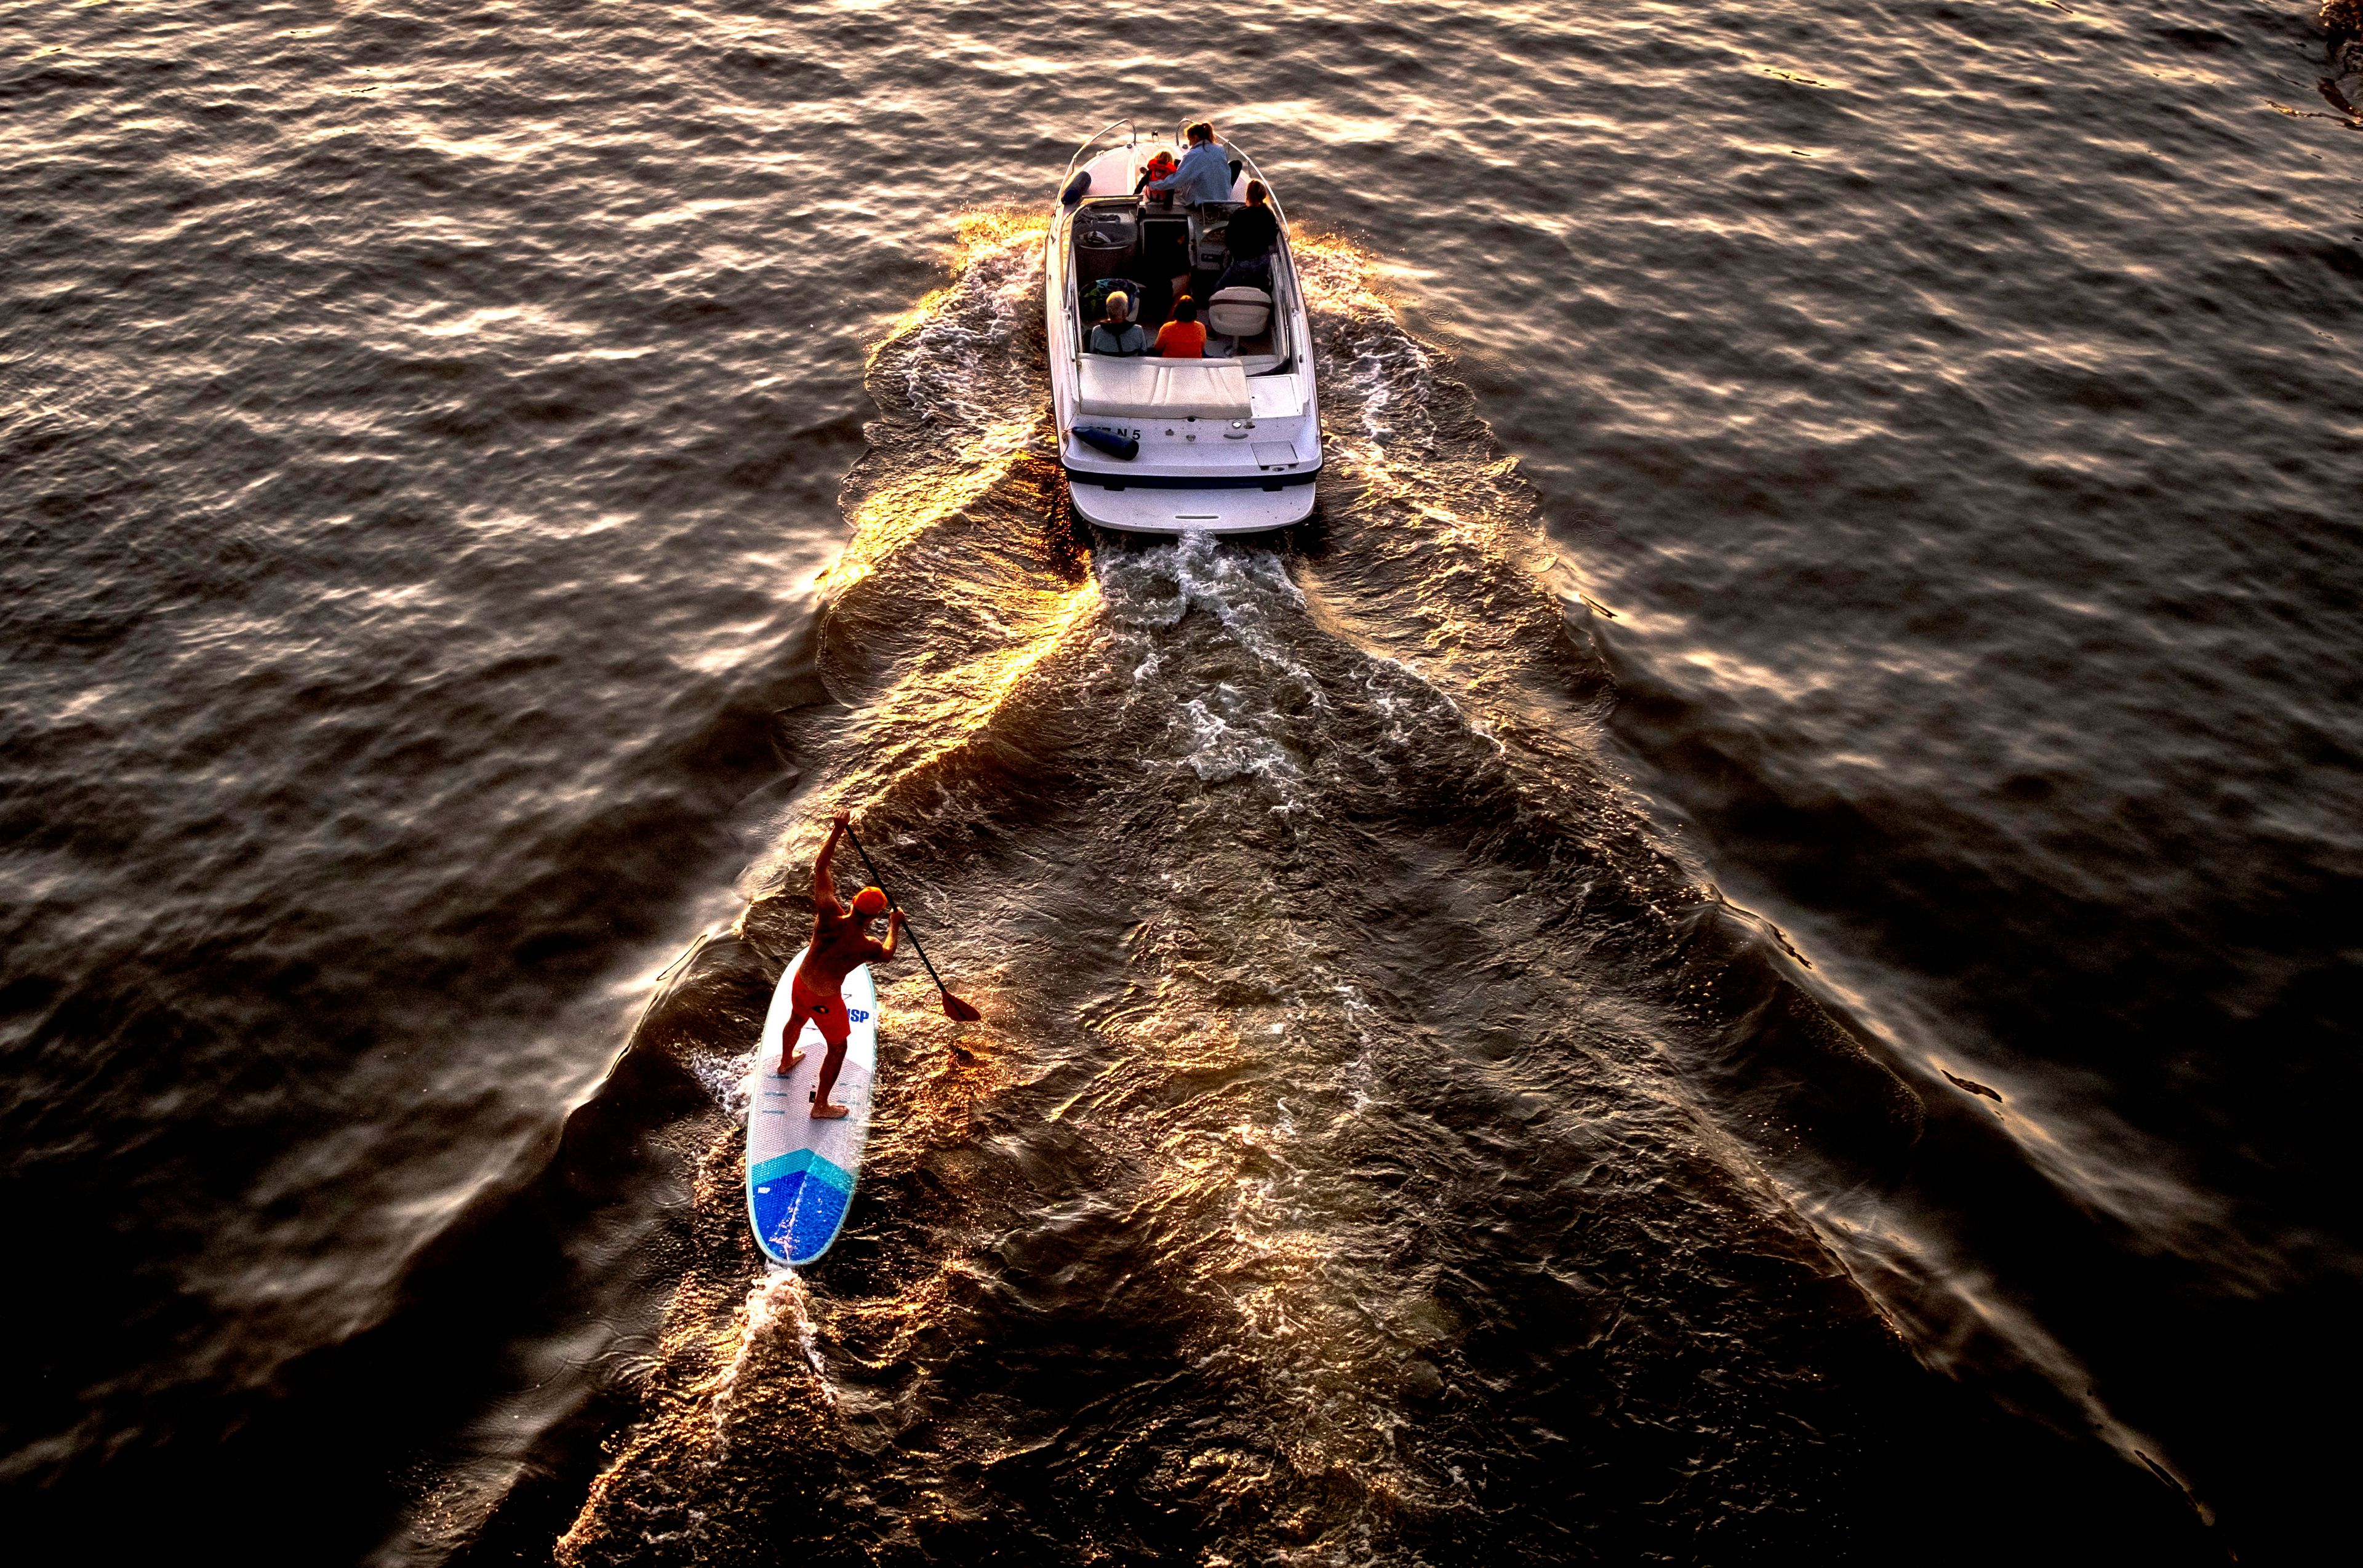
(825, 1008)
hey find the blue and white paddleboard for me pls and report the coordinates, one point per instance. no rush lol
(800, 1172)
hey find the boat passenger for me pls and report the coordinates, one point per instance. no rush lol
(1160, 165)
(1119, 334)
(1249, 236)
(1205, 174)
(1184, 337)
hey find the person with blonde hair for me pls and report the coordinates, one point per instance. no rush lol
(1119, 335)
(1162, 163)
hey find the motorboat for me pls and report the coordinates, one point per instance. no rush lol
(1230, 443)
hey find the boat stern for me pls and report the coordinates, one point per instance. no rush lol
(1154, 509)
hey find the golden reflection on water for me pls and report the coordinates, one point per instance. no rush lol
(911, 508)
(985, 234)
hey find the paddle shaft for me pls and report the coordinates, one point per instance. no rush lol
(871, 866)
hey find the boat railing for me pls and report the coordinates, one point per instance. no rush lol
(1091, 141)
(1285, 311)
(1076, 331)
(1074, 300)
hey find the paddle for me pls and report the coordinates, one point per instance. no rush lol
(954, 1008)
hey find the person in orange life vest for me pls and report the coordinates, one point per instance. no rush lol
(1184, 337)
(841, 943)
(1156, 168)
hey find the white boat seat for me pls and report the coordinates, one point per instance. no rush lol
(1161, 389)
(1238, 311)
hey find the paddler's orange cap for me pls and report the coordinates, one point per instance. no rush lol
(870, 903)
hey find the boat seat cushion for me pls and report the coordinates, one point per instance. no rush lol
(1162, 389)
(1238, 311)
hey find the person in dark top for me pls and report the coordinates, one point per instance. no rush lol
(1253, 231)
(1249, 236)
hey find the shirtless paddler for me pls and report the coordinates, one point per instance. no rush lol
(841, 943)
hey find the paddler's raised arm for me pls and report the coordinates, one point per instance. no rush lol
(824, 882)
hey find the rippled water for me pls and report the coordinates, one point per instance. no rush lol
(1744, 949)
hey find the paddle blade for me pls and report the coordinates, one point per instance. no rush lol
(959, 1011)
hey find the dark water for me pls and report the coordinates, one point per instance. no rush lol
(1746, 950)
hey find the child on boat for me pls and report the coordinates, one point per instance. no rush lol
(1157, 168)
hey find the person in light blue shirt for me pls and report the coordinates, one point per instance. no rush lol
(1204, 175)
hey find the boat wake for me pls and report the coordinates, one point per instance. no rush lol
(1383, 1146)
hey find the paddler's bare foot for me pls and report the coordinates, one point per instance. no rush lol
(830, 1113)
(788, 1065)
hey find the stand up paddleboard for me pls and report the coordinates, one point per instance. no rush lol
(800, 1172)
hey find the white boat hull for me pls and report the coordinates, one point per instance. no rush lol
(1229, 444)
(1134, 510)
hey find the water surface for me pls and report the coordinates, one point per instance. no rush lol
(1746, 948)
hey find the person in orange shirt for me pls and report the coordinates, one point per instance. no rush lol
(1184, 337)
